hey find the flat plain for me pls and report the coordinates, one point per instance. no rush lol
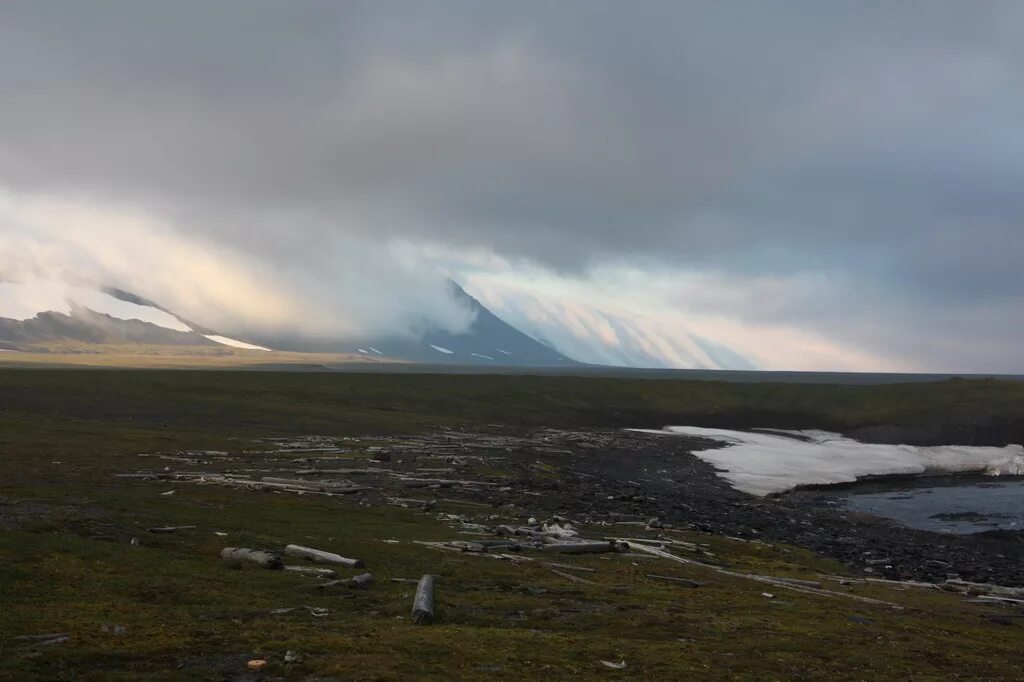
(77, 557)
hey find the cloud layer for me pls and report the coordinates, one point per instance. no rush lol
(351, 287)
(845, 173)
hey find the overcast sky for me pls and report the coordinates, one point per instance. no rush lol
(815, 185)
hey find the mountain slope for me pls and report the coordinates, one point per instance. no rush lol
(41, 316)
(489, 340)
(36, 316)
(604, 333)
(530, 331)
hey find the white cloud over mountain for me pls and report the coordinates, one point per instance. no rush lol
(820, 185)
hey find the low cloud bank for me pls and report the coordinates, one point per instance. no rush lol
(352, 287)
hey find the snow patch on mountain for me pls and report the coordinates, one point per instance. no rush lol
(25, 300)
(762, 463)
(442, 349)
(234, 343)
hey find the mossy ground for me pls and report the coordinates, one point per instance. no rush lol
(67, 565)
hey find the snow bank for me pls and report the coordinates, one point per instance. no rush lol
(768, 462)
(234, 343)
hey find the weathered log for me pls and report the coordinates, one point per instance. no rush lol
(681, 581)
(300, 484)
(359, 581)
(644, 541)
(423, 602)
(443, 482)
(903, 584)
(321, 557)
(982, 588)
(897, 584)
(41, 638)
(768, 580)
(443, 547)
(330, 486)
(312, 570)
(466, 546)
(580, 547)
(552, 564)
(44, 640)
(312, 487)
(169, 529)
(468, 503)
(234, 557)
(341, 472)
(987, 598)
(495, 544)
(427, 504)
(804, 583)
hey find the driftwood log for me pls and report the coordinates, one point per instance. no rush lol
(681, 581)
(567, 567)
(775, 582)
(321, 557)
(359, 581)
(423, 602)
(168, 529)
(342, 488)
(235, 557)
(580, 547)
(312, 570)
(572, 578)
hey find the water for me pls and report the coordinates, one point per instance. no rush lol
(966, 506)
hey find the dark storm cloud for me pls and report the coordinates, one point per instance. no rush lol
(865, 141)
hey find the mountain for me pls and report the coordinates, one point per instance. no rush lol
(489, 340)
(47, 316)
(606, 334)
(512, 328)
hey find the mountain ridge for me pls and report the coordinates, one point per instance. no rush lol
(37, 316)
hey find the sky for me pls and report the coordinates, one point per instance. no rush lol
(819, 184)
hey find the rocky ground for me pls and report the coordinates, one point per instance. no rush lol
(591, 477)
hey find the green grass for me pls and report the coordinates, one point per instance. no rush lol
(336, 403)
(66, 563)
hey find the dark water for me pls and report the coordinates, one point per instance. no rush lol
(965, 506)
